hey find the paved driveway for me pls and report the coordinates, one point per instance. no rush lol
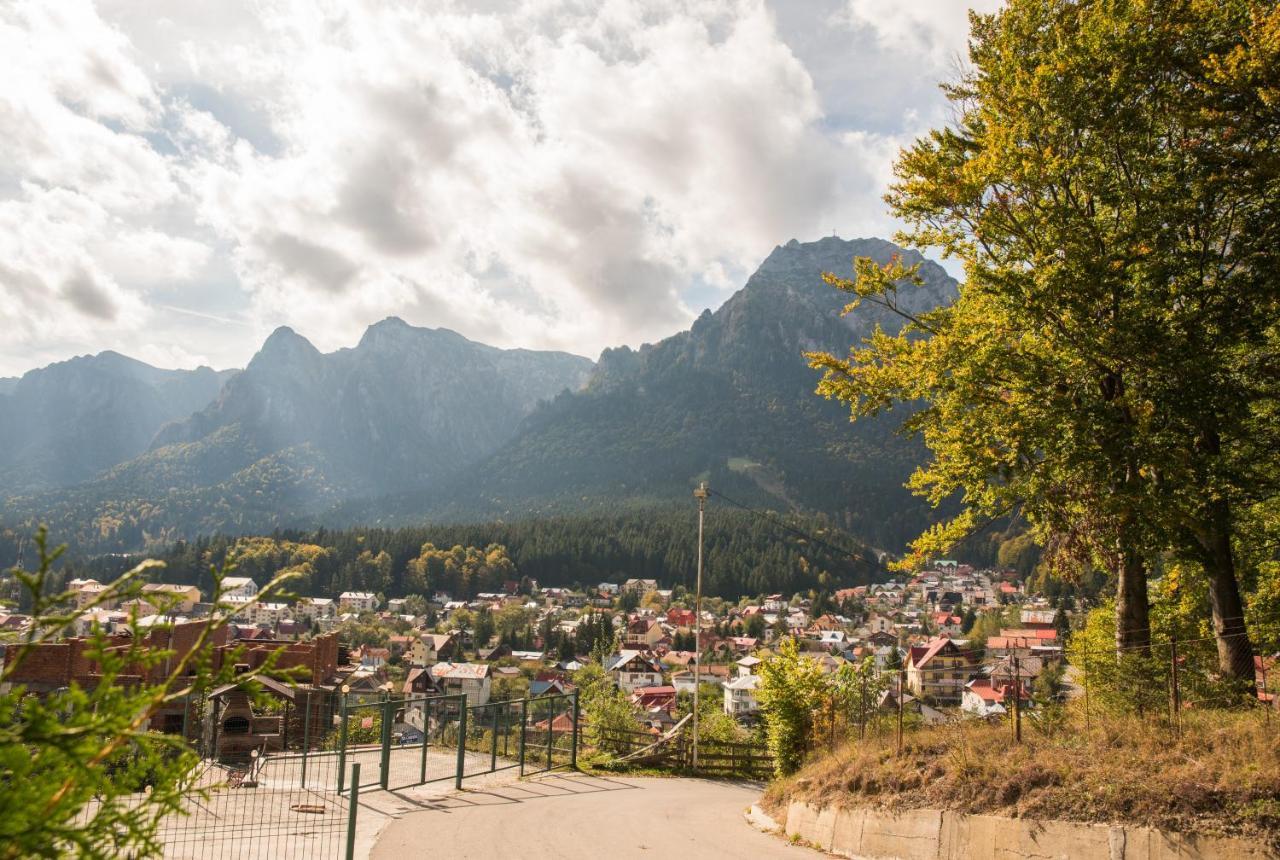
(577, 817)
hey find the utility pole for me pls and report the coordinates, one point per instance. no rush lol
(701, 495)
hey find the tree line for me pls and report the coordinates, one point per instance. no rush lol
(744, 554)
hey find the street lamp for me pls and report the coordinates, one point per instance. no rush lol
(700, 494)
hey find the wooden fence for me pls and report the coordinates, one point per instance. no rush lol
(742, 759)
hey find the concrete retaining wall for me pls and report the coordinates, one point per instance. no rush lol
(931, 834)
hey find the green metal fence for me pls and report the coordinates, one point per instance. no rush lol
(304, 800)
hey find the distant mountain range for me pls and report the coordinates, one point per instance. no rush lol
(67, 422)
(419, 424)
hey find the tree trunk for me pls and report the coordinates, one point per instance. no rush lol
(1133, 624)
(1235, 651)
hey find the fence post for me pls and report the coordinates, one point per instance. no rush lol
(862, 708)
(1088, 722)
(493, 748)
(902, 682)
(352, 805)
(1017, 702)
(573, 751)
(306, 738)
(524, 720)
(462, 740)
(426, 732)
(1267, 703)
(388, 717)
(1175, 698)
(551, 722)
(342, 744)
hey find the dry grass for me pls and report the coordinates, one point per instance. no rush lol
(1220, 777)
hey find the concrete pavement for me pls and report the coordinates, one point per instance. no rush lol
(569, 816)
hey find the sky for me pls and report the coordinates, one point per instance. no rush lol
(179, 179)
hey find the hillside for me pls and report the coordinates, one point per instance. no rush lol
(731, 400)
(65, 423)
(1215, 777)
(299, 430)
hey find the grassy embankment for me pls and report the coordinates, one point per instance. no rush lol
(1221, 776)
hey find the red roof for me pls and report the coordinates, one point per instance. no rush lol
(922, 654)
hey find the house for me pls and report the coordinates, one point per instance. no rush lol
(938, 670)
(1038, 619)
(172, 598)
(642, 633)
(888, 704)
(549, 684)
(431, 648)
(632, 670)
(740, 695)
(640, 586)
(747, 665)
(984, 697)
(238, 586)
(374, 658)
(419, 683)
(981, 699)
(716, 674)
(878, 623)
(882, 639)
(681, 619)
(473, 679)
(659, 698)
(947, 624)
(832, 638)
(89, 592)
(357, 601)
(315, 609)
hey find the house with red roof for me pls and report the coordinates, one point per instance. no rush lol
(938, 670)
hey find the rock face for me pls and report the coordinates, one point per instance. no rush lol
(732, 400)
(65, 423)
(403, 408)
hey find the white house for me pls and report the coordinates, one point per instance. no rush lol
(471, 678)
(357, 601)
(315, 609)
(238, 586)
(740, 695)
(632, 670)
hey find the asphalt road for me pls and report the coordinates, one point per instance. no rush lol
(572, 816)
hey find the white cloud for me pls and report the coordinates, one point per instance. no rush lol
(542, 173)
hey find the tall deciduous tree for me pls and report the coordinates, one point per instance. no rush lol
(1110, 184)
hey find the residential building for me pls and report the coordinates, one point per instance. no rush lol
(473, 679)
(740, 695)
(357, 601)
(632, 670)
(315, 609)
(431, 648)
(938, 670)
(172, 598)
(238, 586)
(642, 633)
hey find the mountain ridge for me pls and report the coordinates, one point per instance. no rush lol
(415, 424)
